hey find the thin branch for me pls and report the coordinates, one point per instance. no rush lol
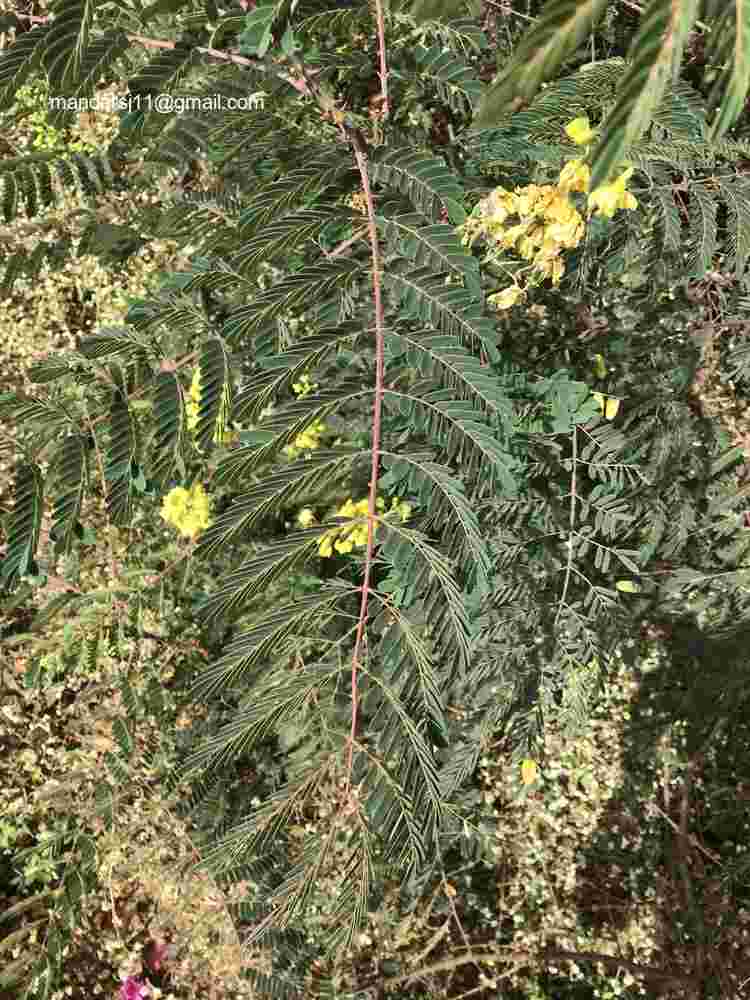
(230, 56)
(647, 972)
(346, 244)
(361, 159)
(380, 20)
(569, 567)
(693, 840)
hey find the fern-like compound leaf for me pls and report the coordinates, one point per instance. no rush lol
(654, 57)
(314, 283)
(450, 308)
(67, 42)
(283, 236)
(703, 230)
(169, 428)
(453, 79)
(246, 652)
(273, 563)
(216, 392)
(446, 507)
(282, 370)
(294, 187)
(19, 60)
(23, 525)
(280, 490)
(436, 247)
(728, 47)
(557, 33)
(423, 179)
(281, 428)
(71, 480)
(120, 457)
(164, 71)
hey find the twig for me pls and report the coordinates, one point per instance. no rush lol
(647, 972)
(343, 247)
(233, 57)
(569, 567)
(380, 21)
(692, 839)
(361, 159)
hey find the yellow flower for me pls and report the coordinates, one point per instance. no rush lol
(551, 267)
(609, 405)
(565, 234)
(174, 503)
(401, 508)
(304, 386)
(580, 131)
(189, 511)
(497, 206)
(325, 548)
(600, 368)
(574, 176)
(526, 248)
(308, 440)
(561, 209)
(527, 199)
(528, 771)
(354, 534)
(193, 402)
(609, 197)
(306, 517)
(347, 510)
(507, 298)
(359, 535)
(513, 234)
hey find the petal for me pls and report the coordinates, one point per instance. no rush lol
(580, 131)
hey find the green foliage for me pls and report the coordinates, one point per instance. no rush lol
(562, 27)
(654, 58)
(539, 524)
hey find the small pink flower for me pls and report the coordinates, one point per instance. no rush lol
(133, 989)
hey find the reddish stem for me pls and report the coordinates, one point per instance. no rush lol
(381, 53)
(376, 434)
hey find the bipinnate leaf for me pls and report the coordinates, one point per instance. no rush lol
(654, 57)
(560, 29)
(728, 46)
(23, 524)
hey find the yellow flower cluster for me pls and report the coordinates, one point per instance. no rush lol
(548, 223)
(611, 197)
(348, 536)
(543, 220)
(306, 517)
(189, 511)
(308, 440)
(575, 176)
(304, 387)
(192, 406)
(580, 131)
